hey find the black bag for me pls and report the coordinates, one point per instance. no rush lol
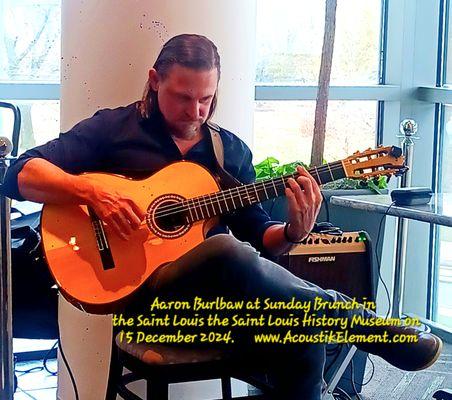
(35, 301)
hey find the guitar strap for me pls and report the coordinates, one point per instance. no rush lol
(226, 179)
(217, 143)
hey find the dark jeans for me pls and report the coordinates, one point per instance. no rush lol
(224, 266)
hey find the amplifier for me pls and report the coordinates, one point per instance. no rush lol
(339, 262)
(342, 263)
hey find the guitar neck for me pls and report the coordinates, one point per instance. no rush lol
(229, 200)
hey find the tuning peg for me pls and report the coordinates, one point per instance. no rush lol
(400, 170)
(396, 151)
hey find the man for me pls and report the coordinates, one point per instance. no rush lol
(170, 124)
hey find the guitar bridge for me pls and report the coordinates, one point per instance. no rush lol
(101, 240)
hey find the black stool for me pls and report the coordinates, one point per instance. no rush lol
(160, 365)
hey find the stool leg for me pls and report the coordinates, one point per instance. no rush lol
(156, 390)
(226, 390)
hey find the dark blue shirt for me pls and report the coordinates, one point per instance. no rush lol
(120, 141)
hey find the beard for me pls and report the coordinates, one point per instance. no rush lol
(186, 129)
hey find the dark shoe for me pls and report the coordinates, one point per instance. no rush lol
(414, 356)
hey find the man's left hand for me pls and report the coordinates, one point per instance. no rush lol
(304, 201)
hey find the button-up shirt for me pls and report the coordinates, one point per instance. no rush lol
(120, 141)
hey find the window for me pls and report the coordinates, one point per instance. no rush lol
(290, 37)
(289, 45)
(286, 128)
(448, 46)
(40, 122)
(30, 41)
(443, 277)
(441, 95)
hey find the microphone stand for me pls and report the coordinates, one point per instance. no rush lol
(6, 325)
(408, 130)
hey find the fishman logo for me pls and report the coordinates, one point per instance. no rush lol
(322, 259)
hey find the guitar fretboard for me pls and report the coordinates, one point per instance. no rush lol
(227, 201)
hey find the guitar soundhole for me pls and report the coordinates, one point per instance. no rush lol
(166, 217)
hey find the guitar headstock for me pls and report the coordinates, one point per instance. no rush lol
(372, 163)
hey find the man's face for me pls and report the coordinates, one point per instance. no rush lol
(185, 96)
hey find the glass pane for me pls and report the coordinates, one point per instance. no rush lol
(449, 48)
(30, 40)
(290, 37)
(283, 129)
(6, 123)
(443, 299)
(444, 283)
(40, 122)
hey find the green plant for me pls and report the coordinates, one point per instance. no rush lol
(376, 184)
(270, 168)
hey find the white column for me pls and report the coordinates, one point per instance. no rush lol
(108, 47)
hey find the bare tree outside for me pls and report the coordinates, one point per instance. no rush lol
(29, 51)
(326, 62)
(289, 46)
(30, 41)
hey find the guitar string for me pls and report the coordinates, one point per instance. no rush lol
(210, 199)
(206, 200)
(215, 197)
(223, 195)
(264, 184)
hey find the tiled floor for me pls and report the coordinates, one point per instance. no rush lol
(396, 384)
(37, 384)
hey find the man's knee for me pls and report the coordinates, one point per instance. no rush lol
(227, 245)
(233, 253)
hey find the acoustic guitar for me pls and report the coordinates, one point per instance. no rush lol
(96, 270)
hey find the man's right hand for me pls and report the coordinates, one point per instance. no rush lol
(43, 182)
(121, 213)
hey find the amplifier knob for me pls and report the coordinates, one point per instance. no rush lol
(326, 241)
(310, 241)
(317, 241)
(333, 240)
(344, 240)
(350, 239)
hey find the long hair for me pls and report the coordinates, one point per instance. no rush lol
(188, 50)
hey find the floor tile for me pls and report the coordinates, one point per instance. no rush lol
(40, 394)
(36, 384)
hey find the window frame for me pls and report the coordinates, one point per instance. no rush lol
(440, 95)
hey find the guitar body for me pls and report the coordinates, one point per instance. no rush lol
(72, 248)
(95, 269)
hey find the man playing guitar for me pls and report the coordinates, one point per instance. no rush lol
(170, 124)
